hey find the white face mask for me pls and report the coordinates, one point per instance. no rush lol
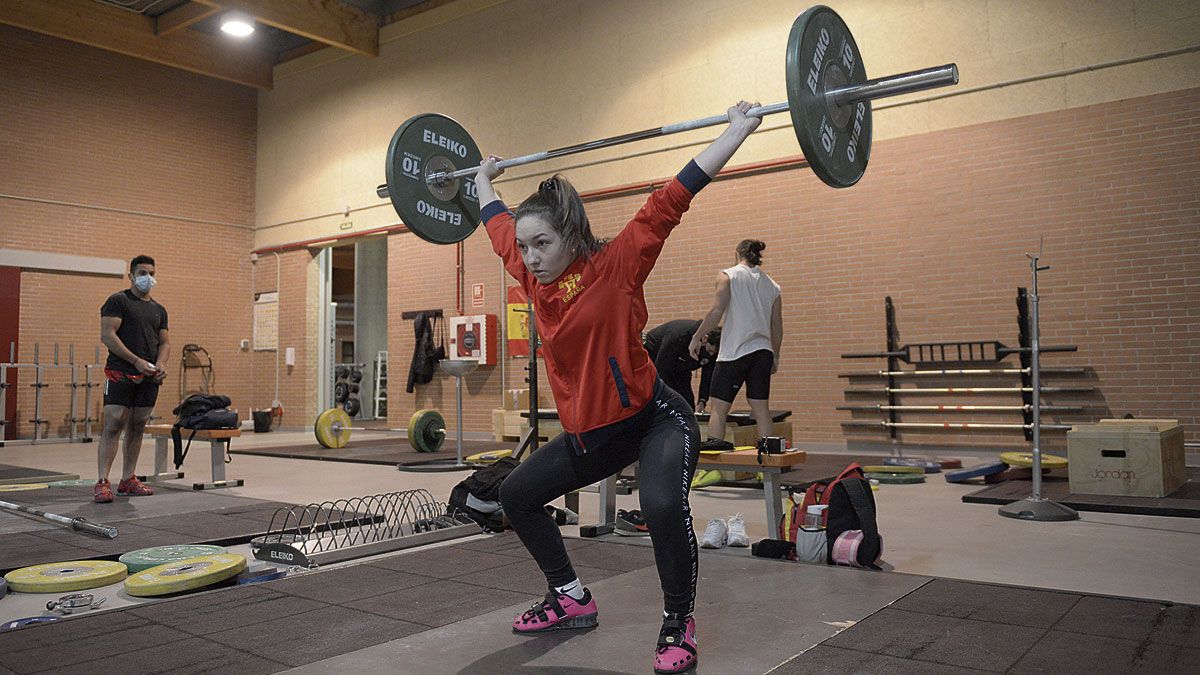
(144, 283)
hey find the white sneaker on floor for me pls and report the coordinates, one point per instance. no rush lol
(715, 534)
(737, 531)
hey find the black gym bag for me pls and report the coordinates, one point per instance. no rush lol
(200, 411)
(483, 485)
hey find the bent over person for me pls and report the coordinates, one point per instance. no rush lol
(667, 345)
(590, 312)
(134, 328)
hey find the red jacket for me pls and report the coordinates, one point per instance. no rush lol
(590, 319)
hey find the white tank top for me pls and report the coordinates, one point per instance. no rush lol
(747, 326)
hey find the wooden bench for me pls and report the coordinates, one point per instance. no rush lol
(218, 439)
(772, 466)
(737, 460)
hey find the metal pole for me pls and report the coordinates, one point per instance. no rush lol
(1035, 507)
(74, 385)
(958, 408)
(894, 85)
(458, 396)
(961, 426)
(1035, 359)
(37, 392)
(77, 524)
(966, 390)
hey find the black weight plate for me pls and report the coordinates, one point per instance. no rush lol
(340, 392)
(351, 406)
(341, 372)
(356, 375)
(423, 145)
(426, 431)
(821, 56)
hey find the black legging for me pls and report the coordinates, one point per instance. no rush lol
(665, 438)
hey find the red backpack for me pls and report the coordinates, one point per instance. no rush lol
(851, 506)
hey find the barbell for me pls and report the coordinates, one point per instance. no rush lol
(431, 158)
(426, 429)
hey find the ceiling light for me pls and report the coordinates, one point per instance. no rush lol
(237, 24)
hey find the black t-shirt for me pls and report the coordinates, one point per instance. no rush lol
(141, 320)
(667, 345)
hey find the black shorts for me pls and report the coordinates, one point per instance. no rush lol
(129, 394)
(753, 369)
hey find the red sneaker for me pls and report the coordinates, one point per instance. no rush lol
(133, 487)
(102, 493)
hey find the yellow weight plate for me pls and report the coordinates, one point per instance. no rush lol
(892, 469)
(711, 452)
(185, 575)
(1025, 459)
(324, 430)
(77, 575)
(488, 457)
(21, 487)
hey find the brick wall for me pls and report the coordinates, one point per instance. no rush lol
(294, 381)
(120, 135)
(940, 223)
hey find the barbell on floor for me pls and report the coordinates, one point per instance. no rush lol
(426, 429)
(431, 157)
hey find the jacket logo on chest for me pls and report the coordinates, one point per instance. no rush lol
(572, 287)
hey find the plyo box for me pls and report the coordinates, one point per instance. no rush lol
(1138, 457)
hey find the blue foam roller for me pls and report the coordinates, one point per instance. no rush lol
(929, 465)
(977, 471)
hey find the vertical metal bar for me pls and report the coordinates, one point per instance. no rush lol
(893, 340)
(1035, 355)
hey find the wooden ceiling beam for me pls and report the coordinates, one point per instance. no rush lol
(91, 23)
(326, 21)
(181, 17)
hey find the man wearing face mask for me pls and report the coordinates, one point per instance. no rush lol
(134, 328)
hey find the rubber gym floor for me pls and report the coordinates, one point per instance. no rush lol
(967, 592)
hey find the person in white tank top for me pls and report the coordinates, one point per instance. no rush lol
(750, 302)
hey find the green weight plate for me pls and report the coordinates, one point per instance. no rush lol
(897, 478)
(185, 575)
(426, 144)
(821, 56)
(145, 558)
(426, 430)
(77, 575)
(332, 428)
(72, 483)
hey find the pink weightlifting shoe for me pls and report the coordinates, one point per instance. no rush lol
(558, 612)
(676, 651)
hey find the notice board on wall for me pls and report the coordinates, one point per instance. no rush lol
(266, 322)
